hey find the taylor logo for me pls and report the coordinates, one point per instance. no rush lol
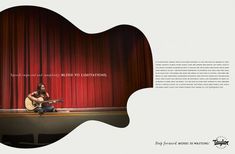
(221, 142)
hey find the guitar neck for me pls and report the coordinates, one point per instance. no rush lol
(48, 101)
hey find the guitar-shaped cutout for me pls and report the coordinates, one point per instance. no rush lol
(94, 74)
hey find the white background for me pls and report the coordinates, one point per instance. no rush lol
(176, 30)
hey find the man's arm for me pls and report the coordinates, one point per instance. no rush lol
(47, 96)
(31, 97)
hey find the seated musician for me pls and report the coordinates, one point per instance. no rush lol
(41, 92)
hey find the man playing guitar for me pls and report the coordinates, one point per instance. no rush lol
(41, 95)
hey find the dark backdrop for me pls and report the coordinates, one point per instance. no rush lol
(38, 41)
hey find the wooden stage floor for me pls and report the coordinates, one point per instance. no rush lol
(28, 129)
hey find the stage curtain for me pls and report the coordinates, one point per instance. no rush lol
(38, 45)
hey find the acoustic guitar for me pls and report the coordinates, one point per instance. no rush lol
(31, 105)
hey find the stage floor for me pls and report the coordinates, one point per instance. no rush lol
(28, 129)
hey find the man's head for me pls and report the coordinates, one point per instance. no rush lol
(41, 88)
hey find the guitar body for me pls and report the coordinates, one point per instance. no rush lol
(31, 105)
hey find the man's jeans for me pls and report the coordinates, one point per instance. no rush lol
(45, 109)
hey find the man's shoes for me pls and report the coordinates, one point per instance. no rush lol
(40, 113)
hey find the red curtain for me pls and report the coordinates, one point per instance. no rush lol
(38, 45)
